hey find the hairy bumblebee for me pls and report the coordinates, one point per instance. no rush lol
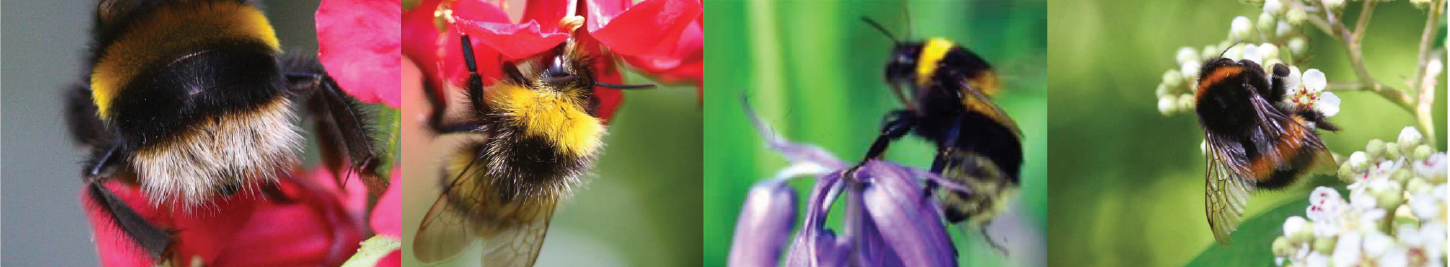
(534, 135)
(192, 100)
(947, 92)
(1253, 139)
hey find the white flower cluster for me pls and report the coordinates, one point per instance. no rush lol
(1273, 38)
(1395, 214)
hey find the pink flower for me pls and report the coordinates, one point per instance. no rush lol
(659, 37)
(358, 44)
(318, 224)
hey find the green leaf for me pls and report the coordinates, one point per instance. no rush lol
(1252, 242)
(373, 250)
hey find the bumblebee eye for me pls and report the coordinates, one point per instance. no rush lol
(557, 71)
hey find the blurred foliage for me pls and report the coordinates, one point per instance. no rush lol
(1128, 182)
(814, 71)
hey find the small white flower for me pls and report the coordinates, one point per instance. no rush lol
(1324, 195)
(1240, 28)
(1334, 4)
(1425, 207)
(1310, 94)
(1252, 53)
(1316, 259)
(1298, 46)
(1347, 249)
(1393, 256)
(1409, 137)
(1376, 243)
(1432, 167)
(1295, 76)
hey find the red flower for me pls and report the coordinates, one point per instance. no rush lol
(358, 44)
(659, 37)
(320, 225)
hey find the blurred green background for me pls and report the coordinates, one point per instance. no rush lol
(1127, 186)
(814, 71)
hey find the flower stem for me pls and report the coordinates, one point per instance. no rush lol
(1421, 101)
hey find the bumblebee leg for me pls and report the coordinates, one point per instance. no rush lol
(987, 236)
(341, 126)
(153, 239)
(897, 124)
(474, 91)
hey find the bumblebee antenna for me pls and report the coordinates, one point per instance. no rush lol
(625, 86)
(1225, 49)
(882, 29)
(906, 13)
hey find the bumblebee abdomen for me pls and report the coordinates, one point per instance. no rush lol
(158, 35)
(1294, 154)
(991, 188)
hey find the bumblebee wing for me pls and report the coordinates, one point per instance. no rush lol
(518, 246)
(445, 232)
(1226, 194)
(977, 101)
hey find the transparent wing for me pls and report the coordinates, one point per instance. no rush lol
(445, 232)
(979, 102)
(1226, 194)
(518, 246)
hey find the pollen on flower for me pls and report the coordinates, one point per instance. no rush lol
(571, 23)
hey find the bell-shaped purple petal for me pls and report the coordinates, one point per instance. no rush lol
(764, 225)
(906, 218)
(815, 245)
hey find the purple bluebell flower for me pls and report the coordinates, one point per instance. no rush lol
(890, 219)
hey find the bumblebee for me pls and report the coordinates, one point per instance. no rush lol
(535, 134)
(947, 91)
(1253, 140)
(192, 102)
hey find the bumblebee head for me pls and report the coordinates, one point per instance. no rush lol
(901, 68)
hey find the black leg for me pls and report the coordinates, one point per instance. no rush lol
(341, 125)
(151, 238)
(898, 123)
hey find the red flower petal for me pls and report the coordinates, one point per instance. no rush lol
(652, 28)
(392, 259)
(514, 40)
(358, 44)
(387, 216)
(313, 228)
(686, 65)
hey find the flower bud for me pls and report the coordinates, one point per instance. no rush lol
(1389, 197)
(1392, 151)
(1186, 102)
(1273, 7)
(1265, 23)
(1270, 51)
(1324, 245)
(1283, 28)
(1358, 160)
(1401, 176)
(1167, 105)
(1346, 173)
(1282, 247)
(1298, 47)
(1162, 91)
(1423, 152)
(1210, 51)
(1190, 69)
(1173, 78)
(764, 225)
(1375, 148)
(1421, 4)
(1296, 16)
(1186, 54)
(1241, 28)
(1335, 5)
(1409, 137)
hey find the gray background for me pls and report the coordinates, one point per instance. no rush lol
(43, 43)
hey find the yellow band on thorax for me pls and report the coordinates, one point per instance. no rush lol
(931, 55)
(172, 30)
(555, 116)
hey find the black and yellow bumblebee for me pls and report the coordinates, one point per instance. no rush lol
(1253, 140)
(534, 136)
(192, 100)
(948, 91)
